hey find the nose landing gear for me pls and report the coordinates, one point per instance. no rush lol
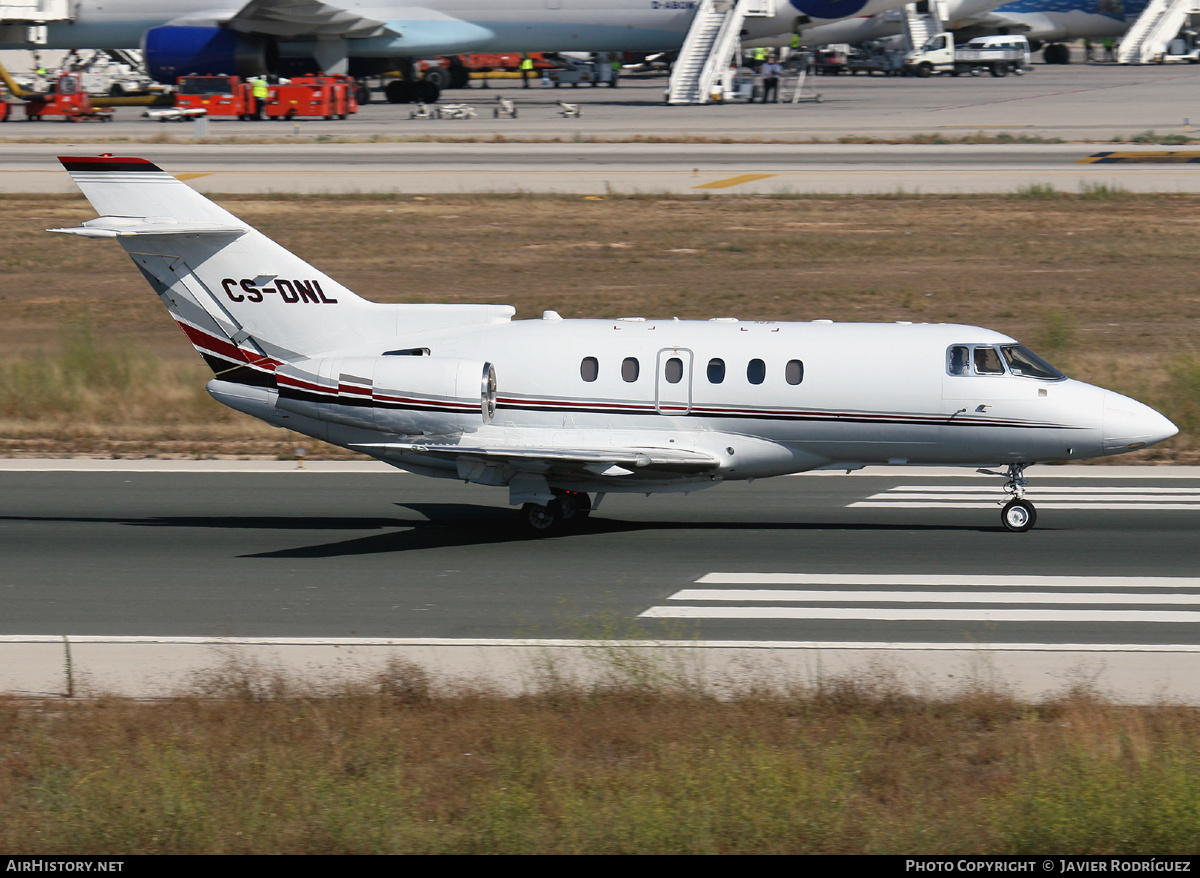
(1018, 514)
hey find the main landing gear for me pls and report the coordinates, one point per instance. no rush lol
(1018, 514)
(567, 511)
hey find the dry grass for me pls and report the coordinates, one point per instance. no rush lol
(1103, 283)
(248, 762)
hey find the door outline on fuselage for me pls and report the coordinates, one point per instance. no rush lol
(673, 398)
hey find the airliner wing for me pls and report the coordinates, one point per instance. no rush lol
(417, 30)
(600, 462)
(304, 18)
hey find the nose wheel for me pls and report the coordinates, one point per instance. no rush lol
(1018, 514)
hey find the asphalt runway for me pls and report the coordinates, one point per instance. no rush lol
(710, 150)
(868, 563)
(344, 554)
(600, 170)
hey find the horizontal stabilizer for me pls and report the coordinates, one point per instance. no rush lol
(122, 226)
(629, 459)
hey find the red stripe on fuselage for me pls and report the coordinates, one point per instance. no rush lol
(226, 349)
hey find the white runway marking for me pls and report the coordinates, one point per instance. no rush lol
(930, 597)
(898, 615)
(988, 580)
(946, 598)
(1058, 497)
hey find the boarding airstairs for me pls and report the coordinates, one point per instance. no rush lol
(923, 21)
(24, 21)
(1148, 37)
(712, 40)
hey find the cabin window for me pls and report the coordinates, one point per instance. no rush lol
(1025, 363)
(756, 371)
(673, 371)
(960, 360)
(630, 369)
(793, 372)
(716, 370)
(987, 361)
(589, 369)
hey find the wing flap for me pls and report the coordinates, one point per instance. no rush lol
(598, 461)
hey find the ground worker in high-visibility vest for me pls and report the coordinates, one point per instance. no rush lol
(261, 92)
(526, 69)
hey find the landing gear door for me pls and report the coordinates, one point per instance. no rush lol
(673, 382)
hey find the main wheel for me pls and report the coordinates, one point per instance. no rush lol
(574, 506)
(398, 92)
(439, 76)
(541, 520)
(426, 91)
(1018, 515)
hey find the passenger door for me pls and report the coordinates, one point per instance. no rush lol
(673, 382)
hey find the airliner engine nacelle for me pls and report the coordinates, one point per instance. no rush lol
(398, 394)
(172, 51)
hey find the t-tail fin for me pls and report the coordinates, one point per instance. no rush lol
(245, 302)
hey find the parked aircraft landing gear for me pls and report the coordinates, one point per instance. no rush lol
(1018, 514)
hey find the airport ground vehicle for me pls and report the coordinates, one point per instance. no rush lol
(555, 410)
(831, 60)
(454, 71)
(68, 99)
(1017, 42)
(217, 95)
(940, 55)
(872, 58)
(328, 96)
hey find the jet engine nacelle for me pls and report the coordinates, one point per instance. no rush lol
(172, 51)
(396, 394)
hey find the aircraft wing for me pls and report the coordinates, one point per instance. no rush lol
(304, 18)
(291, 19)
(596, 462)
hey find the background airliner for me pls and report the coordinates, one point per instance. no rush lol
(864, 28)
(555, 410)
(182, 37)
(1048, 22)
(1058, 21)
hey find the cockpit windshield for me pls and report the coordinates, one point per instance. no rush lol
(1026, 364)
(986, 359)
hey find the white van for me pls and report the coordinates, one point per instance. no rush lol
(1006, 41)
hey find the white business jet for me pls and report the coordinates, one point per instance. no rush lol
(556, 410)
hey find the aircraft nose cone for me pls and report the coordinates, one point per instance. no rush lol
(1129, 425)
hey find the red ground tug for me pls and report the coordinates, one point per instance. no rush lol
(328, 95)
(218, 96)
(68, 99)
